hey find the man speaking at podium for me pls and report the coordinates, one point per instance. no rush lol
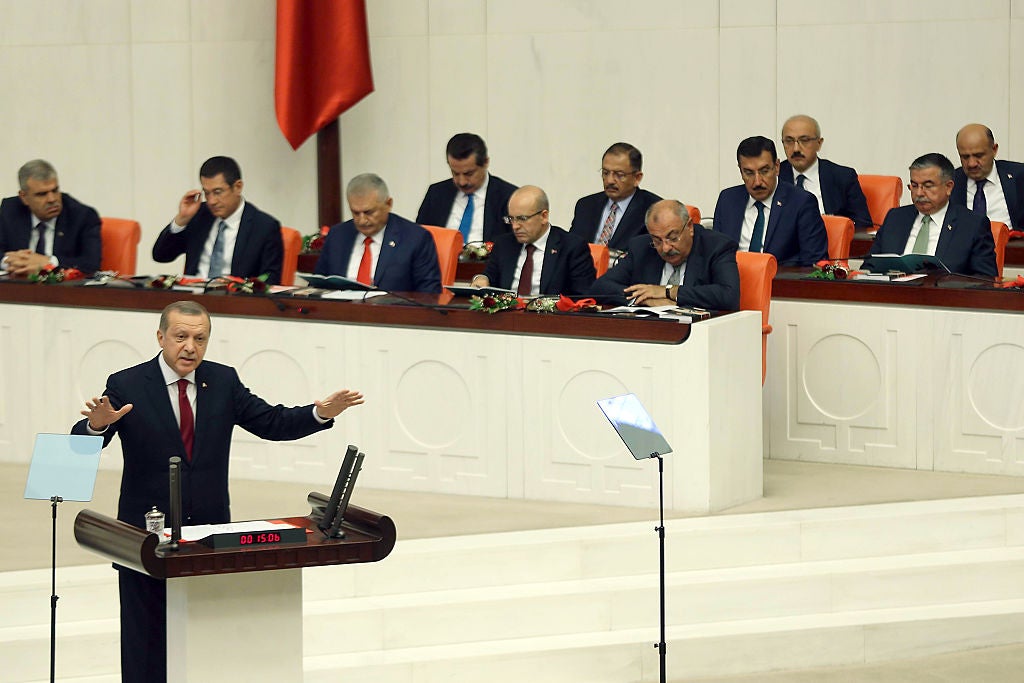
(176, 405)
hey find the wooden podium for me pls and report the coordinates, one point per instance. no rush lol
(236, 613)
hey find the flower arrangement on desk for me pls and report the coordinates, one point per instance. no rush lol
(51, 274)
(312, 244)
(830, 270)
(476, 251)
(169, 281)
(249, 285)
(493, 303)
(1017, 283)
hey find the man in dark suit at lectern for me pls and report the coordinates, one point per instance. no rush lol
(177, 405)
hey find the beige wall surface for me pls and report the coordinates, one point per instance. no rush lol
(128, 97)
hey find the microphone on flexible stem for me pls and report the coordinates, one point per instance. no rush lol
(339, 488)
(175, 511)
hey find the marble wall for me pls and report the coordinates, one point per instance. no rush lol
(127, 97)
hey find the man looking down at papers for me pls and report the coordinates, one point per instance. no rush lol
(377, 247)
(954, 234)
(177, 405)
(675, 264)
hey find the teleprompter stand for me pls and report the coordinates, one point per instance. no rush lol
(63, 468)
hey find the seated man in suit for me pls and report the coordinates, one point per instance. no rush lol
(177, 404)
(765, 215)
(474, 202)
(957, 236)
(246, 241)
(393, 253)
(41, 226)
(984, 185)
(835, 187)
(537, 258)
(615, 216)
(675, 264)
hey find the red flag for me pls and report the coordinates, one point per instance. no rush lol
(323, 63)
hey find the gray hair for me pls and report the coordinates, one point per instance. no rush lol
(184, 308)
(365, 183)
(37, 169)
(678, 208)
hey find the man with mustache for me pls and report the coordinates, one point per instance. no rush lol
(985, 185)
(676, 263)
(474, 202)
(615, 216)
(835, 187)
(957, 236)
(764, 215)
(537, 258)
(42, 226)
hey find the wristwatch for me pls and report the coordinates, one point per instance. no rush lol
(668, 292)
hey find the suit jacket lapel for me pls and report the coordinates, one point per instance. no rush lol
(158, 396)
(1009, 192)
(550, 263)
(388, 245)
(948, 230)
(779, 202)
(827, 185)
(244, 226)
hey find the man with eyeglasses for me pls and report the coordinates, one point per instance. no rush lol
(676, 263)
(473, 201)
(224, 235)
(42, 226)
(835, 187)
(764, 215)
(985, 185)
(615, 216)
(537, 258)
(957, 236)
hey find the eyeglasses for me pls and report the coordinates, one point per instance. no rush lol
(618, 175)
(803, 141)
(672, 237)
(216, 192)
(927, 186)
(509, 220)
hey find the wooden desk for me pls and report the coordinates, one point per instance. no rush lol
(921, 376)
(457, 401)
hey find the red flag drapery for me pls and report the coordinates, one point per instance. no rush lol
(323, 63)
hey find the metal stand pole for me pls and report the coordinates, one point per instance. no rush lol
(661, 569)
(53, 586)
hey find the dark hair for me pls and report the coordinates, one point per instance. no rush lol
(636, 159)
(934, 160)
(755, 147)
(463, 144)
(184, 308)
(215, 166)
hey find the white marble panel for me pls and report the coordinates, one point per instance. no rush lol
(539, 16)
(61, 23)
(1012, 146)
(745, 13)
(458, 96)
(810, 12)
(387, 133)
(161, 22)
(458, 17)
(894, 641)
(397, 18)
(19, 326)
(232, 20)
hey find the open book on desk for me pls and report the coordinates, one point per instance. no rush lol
(466, 289)
(902, 263)
(333, 282)
(683, 314)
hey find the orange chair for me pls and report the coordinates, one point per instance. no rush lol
(883, 192)
(694, 213)
(599, 252)
(1001, 235)
(120, 237)
(292, 240)
(449, 245)
(840, 235)
(756, 273)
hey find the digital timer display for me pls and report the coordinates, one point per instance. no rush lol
(248, 539)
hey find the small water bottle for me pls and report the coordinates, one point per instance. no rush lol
(155, 523)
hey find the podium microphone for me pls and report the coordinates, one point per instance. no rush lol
(175, 512)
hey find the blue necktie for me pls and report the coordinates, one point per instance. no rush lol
(800, 180)
(467, 219)
(980, 202)
(757, 239)
(217, 255)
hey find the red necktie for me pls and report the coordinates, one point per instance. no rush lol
(188, 422)
(364, 265)
(526, 274)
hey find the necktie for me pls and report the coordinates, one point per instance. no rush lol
(800, 180)
(217, 254)
(980, 202)
(757, 238)
(921, 243)
(41, 243)
(609, 225)
(467, 219)
(673, 279)
(364, 264)
(526, 274)
(187, 423)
